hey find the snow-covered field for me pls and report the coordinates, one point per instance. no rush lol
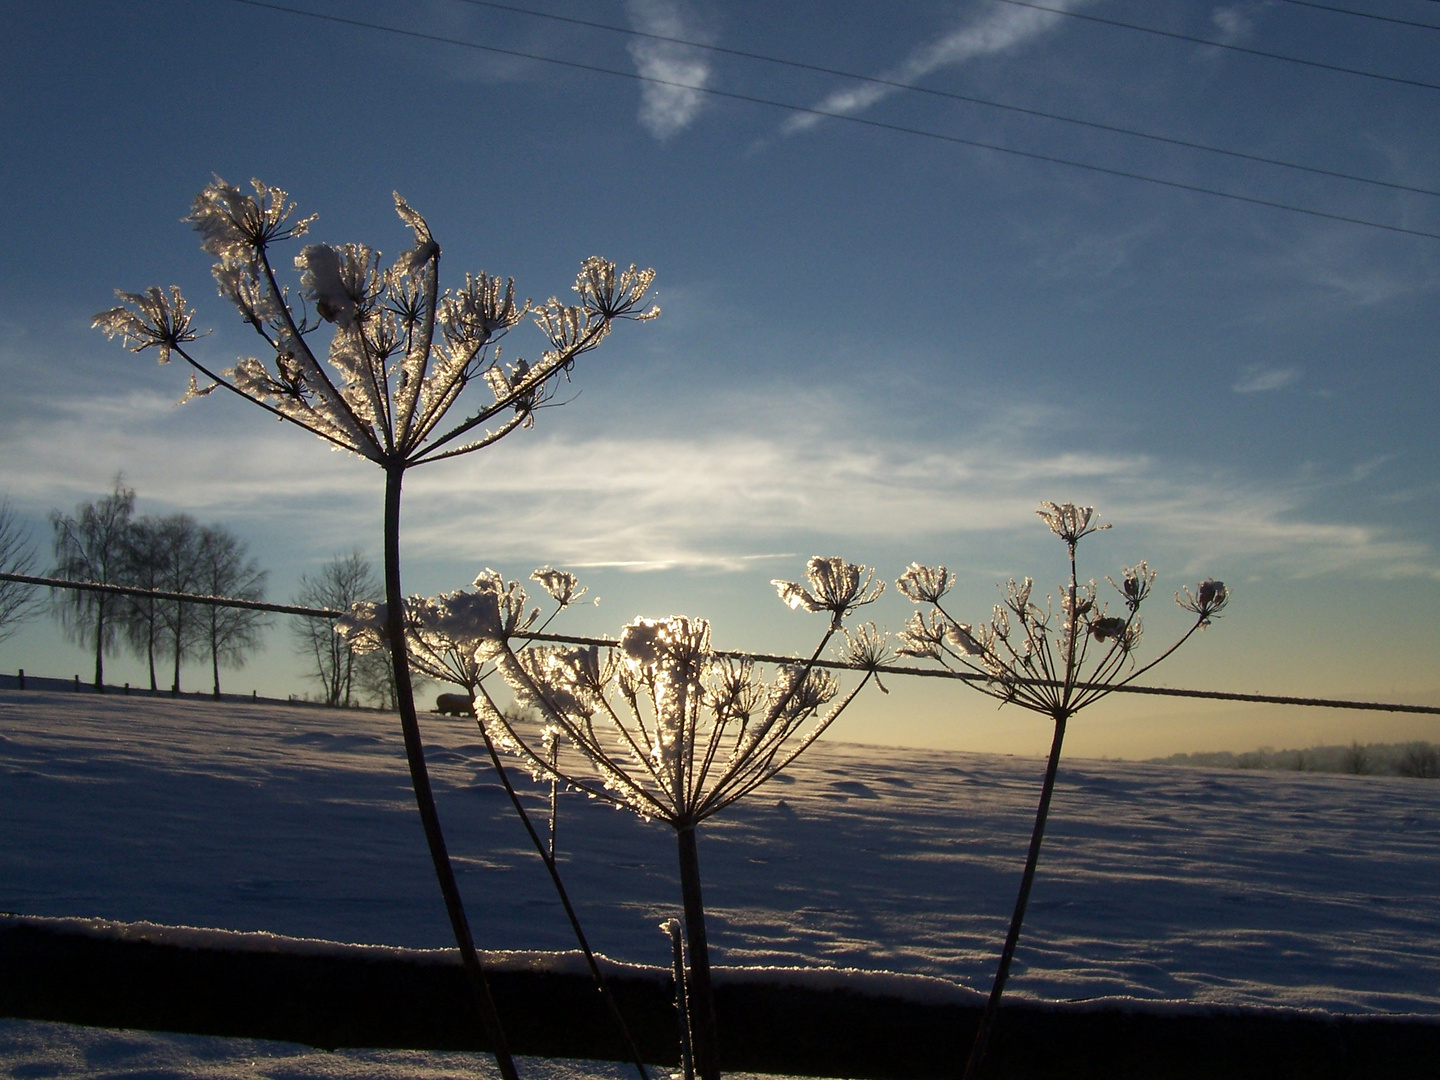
(1156, 882)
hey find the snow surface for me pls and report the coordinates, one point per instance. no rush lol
(1157, 883)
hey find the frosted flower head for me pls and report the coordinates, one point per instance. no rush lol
(425, 246)
(560, 584)
(157, 321)
(835, 586)
(233, 225)
(868, 648)
(925, 584)
(342, 283)
(1135, 584)
(961, 637)
(648, 644)
(1068, 521)
(483, 309)
(363, 626)
(1207, 601)
(506, 599)
(614, 296)
(732, 691)
(923, 637)
(806, 692)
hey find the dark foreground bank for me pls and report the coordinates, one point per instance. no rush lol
(821, 1023)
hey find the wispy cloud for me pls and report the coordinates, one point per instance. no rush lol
(997, 31)
(1235, 21)
(1259, 378)
(667, 109)
(713, 500)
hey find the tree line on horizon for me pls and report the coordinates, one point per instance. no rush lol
(104, 541)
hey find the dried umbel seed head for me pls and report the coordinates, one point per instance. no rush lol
(1107, 628)
(560, 584)
(1207, 601)
(925, 584)
(835, 586)
(1135, 584)
(1068, 521)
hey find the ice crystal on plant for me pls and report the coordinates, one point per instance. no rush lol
(835, 586)
(158, 321)
(401, 351)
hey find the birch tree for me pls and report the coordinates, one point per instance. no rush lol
(17, 600)
(91, 545)
(338, 585)
(224, 568)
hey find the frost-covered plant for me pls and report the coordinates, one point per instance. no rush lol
(669, 729)
(451, 638)
(1055, 660)
(399, 357)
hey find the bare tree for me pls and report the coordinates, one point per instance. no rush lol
(91, 545)
(340, 584)
(145, 568)
(178, 541)
(224, 569)
(375, 681)
(17, 601)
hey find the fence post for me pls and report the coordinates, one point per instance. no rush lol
(21, 679)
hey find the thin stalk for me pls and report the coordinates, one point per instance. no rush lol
(704, 1035)
(420, 780)
(554, 797)
(987, 1019)
(682, 1000)
(560, 890)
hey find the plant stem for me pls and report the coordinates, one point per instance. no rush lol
(549, 860)
(987, 1019)
(420, 778)
(682, 1002)
(703, 1034)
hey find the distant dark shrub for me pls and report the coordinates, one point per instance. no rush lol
(1420, 759)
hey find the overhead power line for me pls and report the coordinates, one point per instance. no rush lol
(1222, 45)
(752, 99)
(949, 95)
(764, 658)
(1361, 14)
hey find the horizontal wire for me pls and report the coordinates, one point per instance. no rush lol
(949, 95)
(1220, 44)
(1362, 14)
(764, 658)
(160, 594)
(968, 676)
(878, 124)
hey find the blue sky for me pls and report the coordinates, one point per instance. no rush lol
(875, 344)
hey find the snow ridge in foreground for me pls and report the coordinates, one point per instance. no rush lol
(1217, 887)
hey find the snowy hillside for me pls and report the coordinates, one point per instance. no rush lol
(1162, 883)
